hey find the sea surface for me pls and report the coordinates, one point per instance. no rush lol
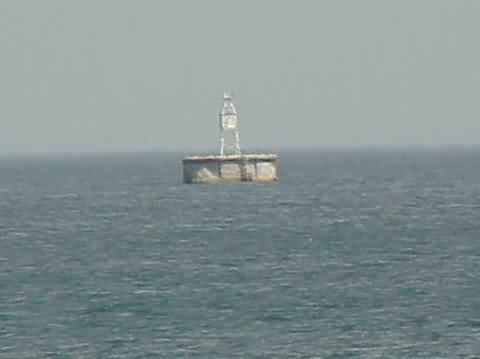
(368, 253)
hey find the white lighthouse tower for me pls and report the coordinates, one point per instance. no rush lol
(230, 165)
(229, 138)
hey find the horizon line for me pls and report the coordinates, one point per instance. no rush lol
(253, 148)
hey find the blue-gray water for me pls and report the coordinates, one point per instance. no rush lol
(353, 254)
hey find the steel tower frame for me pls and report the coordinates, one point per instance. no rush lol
(229, 137)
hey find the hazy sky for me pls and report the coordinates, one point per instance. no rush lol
(112, 75)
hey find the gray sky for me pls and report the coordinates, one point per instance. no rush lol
(112, 75)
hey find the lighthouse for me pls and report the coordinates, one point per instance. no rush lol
(230, 164)
(229, 137)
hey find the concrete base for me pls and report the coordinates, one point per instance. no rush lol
(233, 168)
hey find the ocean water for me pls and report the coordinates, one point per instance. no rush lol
(353, 254)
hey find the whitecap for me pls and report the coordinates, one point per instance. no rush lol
(145, 291)
(125, 314)
(19, 234)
